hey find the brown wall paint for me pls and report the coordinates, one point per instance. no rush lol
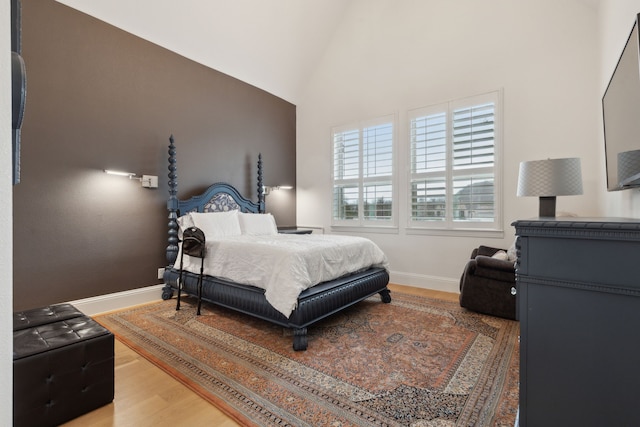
(100, 98)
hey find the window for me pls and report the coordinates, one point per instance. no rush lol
(363, 191)
(453, 182)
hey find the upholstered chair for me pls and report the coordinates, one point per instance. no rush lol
(488, 283)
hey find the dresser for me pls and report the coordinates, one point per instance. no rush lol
(578, 303)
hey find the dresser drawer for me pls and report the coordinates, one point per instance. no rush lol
(604, 262)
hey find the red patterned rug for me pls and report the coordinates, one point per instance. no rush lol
(414, 362)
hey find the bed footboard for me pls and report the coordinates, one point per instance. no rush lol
(314, 304)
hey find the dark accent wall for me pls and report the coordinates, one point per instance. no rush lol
(99, 98)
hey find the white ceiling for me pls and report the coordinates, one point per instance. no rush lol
(271, 44)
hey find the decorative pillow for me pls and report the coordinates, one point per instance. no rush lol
(217, 224)
(512, 252)
(500, 255)
(258, 224)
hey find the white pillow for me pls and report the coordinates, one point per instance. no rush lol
(217, 224)
(184, 222)
(500, 255)
(258, 224)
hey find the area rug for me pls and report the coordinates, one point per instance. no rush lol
(414, 362)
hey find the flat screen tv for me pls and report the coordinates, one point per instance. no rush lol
(621, 115)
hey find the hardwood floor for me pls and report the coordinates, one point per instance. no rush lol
(147, 396)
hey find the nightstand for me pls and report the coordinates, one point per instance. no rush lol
(294, 230)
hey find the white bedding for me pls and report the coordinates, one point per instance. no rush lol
(285, 264)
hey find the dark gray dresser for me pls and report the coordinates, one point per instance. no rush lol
(579, 309)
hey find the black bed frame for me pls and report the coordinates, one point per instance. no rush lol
(314, 304)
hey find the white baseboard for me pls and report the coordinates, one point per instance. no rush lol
(119, 300)
(436, 283)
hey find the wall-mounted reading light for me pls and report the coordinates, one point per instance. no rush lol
(268, 190)
(148, 181)
(120, 173)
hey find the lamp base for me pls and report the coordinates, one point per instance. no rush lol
(547, 206)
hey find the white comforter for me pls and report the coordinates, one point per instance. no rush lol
(285, 264)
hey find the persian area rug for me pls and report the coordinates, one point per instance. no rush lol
(414, 362)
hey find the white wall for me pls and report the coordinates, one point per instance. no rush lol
(389, 57)
(616, 19)
(6, 225)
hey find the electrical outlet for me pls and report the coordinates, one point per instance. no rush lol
(160, 273)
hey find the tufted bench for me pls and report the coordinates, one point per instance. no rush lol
(63, 364)
(44, 315)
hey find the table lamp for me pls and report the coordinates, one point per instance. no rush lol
(549, 178)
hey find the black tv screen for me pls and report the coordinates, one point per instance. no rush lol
(621, 115)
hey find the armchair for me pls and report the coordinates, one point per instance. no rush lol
(488, 285)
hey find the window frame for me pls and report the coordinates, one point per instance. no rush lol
(360, 182)
(448, 225)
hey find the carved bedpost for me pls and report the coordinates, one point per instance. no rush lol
(172, 205)
(261, 206)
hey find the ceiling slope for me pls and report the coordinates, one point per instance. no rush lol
(271, 44)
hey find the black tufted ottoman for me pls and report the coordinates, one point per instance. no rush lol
(44, 315)
(62, 366)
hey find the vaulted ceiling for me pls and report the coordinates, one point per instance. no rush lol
(271, 44)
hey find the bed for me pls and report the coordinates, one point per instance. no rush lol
(313, 303)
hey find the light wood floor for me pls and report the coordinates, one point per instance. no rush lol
(147, 396)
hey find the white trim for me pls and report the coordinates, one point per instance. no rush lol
(6, 226)
(425, 282)
(356, 229)
(119, 300)
(459, 232)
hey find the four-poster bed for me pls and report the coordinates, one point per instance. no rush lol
(313, 303)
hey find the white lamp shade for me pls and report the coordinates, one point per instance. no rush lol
(551, 177)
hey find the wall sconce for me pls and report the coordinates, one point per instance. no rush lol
(148, 181)
(268, 190)
(549, 178)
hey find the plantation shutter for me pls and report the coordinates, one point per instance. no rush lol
(452, 179)
(363, 172)
(473, 162)
(377, 145)
(428, 167)
(346, 154)
(346, 172)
